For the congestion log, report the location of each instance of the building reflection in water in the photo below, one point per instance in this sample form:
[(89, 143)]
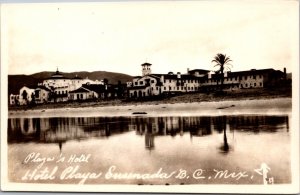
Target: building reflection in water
[(61, 130)]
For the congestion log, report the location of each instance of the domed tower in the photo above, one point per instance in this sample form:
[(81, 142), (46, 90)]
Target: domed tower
[(146, 69)]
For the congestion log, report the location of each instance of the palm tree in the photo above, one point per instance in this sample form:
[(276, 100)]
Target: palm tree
[(224, 148), (222, 61)]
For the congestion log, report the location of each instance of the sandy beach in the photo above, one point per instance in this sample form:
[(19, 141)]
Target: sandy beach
[(276, 106)]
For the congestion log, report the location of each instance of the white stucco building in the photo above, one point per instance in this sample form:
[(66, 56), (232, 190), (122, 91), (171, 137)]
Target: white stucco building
[(25, 95), (150, 84), (61, 85), (156, 84)]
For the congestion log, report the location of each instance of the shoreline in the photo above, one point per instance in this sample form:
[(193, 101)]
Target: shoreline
[(273, 106)]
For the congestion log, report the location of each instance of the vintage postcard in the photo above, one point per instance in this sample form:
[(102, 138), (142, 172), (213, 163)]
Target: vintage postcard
[(150, 96)]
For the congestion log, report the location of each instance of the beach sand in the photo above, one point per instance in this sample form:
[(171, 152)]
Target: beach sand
[(276, 106)]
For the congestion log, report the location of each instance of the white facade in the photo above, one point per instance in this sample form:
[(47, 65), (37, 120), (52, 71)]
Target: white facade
[(145, 86), (41, 95), (24, 100), (184, 83), (199, 80), (237, 81), (252, 81), (146, 69), (14, 99), (154, 84)]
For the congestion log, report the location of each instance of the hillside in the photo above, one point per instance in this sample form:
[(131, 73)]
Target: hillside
[(15, 82)]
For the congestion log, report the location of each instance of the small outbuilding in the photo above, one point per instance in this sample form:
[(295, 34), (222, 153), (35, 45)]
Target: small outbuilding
[(82, 94)]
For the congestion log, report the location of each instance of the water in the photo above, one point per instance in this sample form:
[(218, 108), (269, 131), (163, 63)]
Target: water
[(150, 150)]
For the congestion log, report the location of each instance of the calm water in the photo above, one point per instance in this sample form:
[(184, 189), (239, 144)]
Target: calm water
[(150, 150)]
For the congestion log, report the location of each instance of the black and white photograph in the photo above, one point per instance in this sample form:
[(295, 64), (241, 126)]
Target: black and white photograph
[(150, 96)]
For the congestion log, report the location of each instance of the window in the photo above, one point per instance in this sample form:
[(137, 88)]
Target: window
[(135, 83), (246, 85), (254, 76), (254, 84), (141, 82), (165, 88), (81, 96), (177, 88), (188, 88), (164, 80), (37, 94), (260, 84), (170, 88), (152, 81), (192, 88), (169, 80)]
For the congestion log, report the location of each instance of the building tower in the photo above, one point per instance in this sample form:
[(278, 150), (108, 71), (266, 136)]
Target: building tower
[(146, 69)]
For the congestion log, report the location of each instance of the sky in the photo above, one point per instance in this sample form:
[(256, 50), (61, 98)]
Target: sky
[(171, 35)]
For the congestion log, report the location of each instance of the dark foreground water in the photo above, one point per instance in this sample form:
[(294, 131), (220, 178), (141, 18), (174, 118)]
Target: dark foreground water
[(150, 150)]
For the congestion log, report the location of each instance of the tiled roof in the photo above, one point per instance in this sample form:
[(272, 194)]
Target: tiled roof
[(251, 72), (246, 73), (182, 76), (174, 76), (146, 64), (138, 87), (151, 75), (202, 71), (94, 87), (80, 90)]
